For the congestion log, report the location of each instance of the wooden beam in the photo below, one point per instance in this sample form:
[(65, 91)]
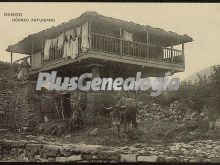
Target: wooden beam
[(148, 45), (183, 54), (11, 65), (183, 49), (147, 37), (21, 59), (111, 58), (135, 61), (11, 57), (120, 41), (172, 54), (90, 34), (32, 48), (95, 72)]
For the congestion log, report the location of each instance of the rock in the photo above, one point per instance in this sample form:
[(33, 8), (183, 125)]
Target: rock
[(192, 160), (61, 159), (74, 158), (171, 159), (147, 158), (20, 150), (143, 152), (50, 151), (34, 148), (178, 152), (64, 151), (37, 157), (128, 158), (109, 155), (68, 136), (87, 156), (207, 160), (43, 160), (215, 160), (51, 159), (138, 145), (217, 148)]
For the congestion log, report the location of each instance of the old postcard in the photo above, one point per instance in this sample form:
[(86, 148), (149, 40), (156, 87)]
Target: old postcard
[(109, 82)]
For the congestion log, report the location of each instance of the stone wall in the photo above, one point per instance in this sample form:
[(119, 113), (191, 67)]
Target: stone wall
[(27, 105), (19, 103), (31, 151), (7, 86)]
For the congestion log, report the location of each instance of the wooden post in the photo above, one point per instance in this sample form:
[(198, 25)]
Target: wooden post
[(62, 107), (93, 98), (183, 55), (120, 42), (95, 72), (32, 48), (11, 57), (90, 35), (172, 54), (11, 65), (32, 52), (42, 51), (148, 45)]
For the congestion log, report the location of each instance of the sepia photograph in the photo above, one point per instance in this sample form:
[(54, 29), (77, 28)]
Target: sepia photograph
[(109, 82)]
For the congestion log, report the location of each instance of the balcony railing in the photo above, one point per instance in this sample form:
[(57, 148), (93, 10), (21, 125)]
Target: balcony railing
[(55, 53), (122, 47), (136, 49)]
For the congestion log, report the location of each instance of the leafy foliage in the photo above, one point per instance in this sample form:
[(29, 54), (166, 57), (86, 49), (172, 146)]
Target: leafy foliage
[(204, 92)]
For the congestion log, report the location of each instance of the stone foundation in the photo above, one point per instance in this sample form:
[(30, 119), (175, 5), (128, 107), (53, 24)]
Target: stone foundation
[(24, 151)]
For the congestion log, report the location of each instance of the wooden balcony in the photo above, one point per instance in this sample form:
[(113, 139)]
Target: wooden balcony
[(116, 50), (144, 51)]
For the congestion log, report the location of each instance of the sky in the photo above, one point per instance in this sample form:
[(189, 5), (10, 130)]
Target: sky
[(201, 21)]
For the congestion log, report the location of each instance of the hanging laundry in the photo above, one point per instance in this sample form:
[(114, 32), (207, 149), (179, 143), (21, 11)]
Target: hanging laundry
[(66, 48), (70, 33), (54, 42), (71, 48), (78, 31), (127, 36), (74, 48), (47, 49), (60, 40), (85, 37)]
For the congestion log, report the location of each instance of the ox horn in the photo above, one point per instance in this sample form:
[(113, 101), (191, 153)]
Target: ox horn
[(107, 108), (122, 106)]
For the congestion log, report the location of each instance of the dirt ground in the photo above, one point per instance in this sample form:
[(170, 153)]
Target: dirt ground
[(154, 138), (101, 132)]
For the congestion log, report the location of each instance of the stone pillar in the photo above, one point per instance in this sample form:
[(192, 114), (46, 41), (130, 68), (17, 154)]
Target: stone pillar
[(93, 98)]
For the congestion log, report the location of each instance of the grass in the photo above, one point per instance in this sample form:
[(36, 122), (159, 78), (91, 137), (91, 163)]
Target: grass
[(149, 132)]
